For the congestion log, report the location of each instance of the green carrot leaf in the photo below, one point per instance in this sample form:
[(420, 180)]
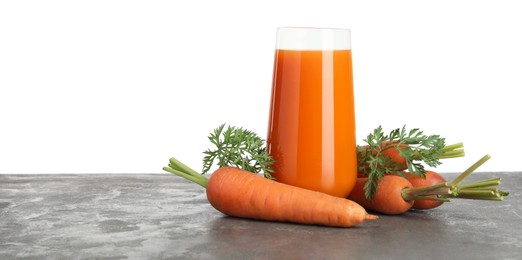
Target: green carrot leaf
[(239, 147), (417, 149)]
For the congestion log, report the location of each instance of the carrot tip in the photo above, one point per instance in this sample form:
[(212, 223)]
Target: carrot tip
[(370, 217)]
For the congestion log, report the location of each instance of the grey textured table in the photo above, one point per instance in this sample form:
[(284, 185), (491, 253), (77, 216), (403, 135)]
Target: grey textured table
[(160, 216)]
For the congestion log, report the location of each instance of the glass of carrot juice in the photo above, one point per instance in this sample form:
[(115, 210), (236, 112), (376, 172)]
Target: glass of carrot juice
[(311, 132)]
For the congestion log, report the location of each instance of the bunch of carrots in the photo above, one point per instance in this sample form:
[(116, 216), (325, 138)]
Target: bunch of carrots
[(392, 180)]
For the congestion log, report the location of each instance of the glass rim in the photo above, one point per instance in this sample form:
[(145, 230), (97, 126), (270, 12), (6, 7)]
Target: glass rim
[(311, 28), (313, 38)]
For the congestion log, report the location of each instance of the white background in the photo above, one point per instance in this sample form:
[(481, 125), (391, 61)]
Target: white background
[(121, 86)]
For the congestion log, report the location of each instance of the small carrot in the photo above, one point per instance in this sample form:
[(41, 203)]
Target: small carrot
[(390, 150), (393, 150), (239, 193), (395, 194), (431, 178), (387, 198)]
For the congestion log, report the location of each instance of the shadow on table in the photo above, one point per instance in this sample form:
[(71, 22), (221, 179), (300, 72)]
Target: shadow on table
[(238, 238)]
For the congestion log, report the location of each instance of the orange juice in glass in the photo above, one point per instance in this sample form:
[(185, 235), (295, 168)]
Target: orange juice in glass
[(311, 132)]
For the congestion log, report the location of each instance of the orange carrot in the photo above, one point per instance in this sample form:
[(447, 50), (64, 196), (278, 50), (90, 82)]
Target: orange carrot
[(431, 178), (395, 194), (387, 198), (391, 150), (239, 193)]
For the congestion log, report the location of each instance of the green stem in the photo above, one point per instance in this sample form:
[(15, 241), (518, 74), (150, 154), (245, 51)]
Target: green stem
[(183, 167), (452, 147), (452, 154), (479, 192), (175, 167), (480, 197), (428, 188), (437, 189), (180, 169), (201, 181), (493, 189), (482, 184), (449, 151), (442, 157), (467, 172), (443, 199)]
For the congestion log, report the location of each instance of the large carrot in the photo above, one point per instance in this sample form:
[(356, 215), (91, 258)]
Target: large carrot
[(240, 193)]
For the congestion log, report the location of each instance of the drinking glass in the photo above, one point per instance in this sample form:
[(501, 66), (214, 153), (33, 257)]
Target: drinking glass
[(311, 132)]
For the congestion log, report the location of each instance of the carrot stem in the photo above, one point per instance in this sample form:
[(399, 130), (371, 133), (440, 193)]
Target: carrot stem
[(479, 197), (443, 199), (202, 181), (428, 188), (175, 167), (467, 172), (452, 147), (437, 189), (494, 189), (182, 170), (449, 151), (482, 184), (484, 193), (452, 154), (446, 191), (183, 167), (480, 190)]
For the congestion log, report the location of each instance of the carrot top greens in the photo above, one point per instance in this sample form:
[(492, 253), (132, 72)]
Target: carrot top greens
[(240, 148), (414, 146), (236, 147)]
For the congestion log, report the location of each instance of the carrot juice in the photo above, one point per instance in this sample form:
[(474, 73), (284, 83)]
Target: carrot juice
[(311, 133)]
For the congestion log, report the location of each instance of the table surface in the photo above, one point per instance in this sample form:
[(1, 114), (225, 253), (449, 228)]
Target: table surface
[(161, 216)]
